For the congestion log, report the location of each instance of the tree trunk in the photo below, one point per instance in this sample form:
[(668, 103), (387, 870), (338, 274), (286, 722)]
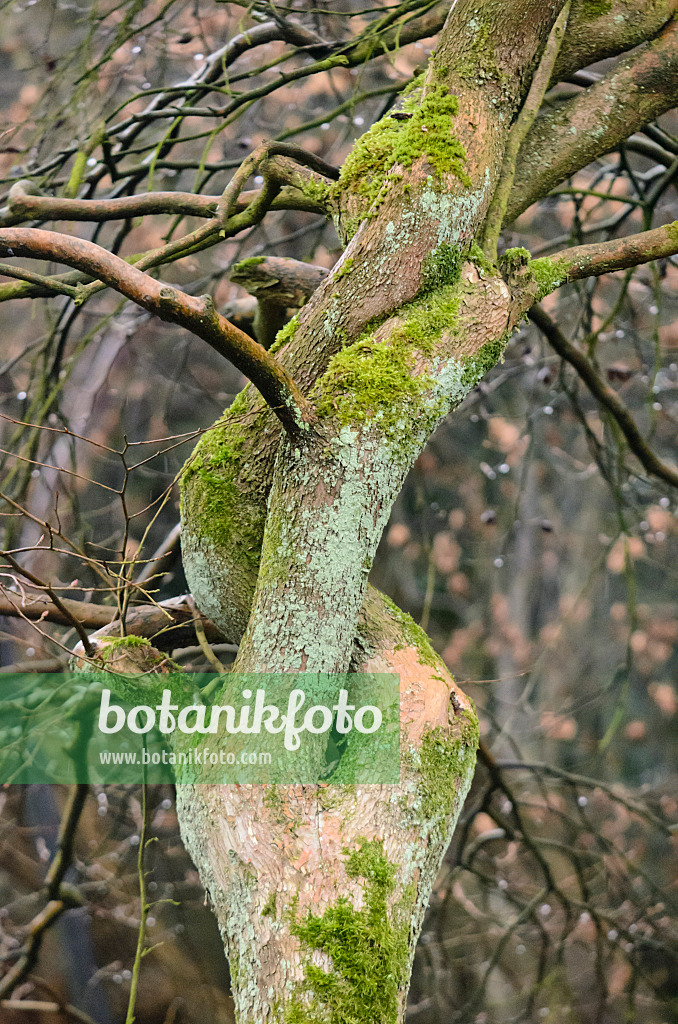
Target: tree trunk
[(320, 890)]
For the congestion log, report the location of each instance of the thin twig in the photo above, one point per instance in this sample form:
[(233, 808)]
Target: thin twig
[(59, 901), (144, 906), (197, 314), (605, 395)]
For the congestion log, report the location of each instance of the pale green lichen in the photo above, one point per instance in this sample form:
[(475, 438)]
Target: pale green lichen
[(391, 145), (368, 948)]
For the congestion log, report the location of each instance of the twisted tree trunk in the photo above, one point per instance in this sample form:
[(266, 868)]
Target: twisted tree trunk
[(320, 891)]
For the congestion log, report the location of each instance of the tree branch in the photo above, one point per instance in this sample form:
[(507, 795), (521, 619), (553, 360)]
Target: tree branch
[(56, 600), (640, 88), (273, 173), (524, 121), (592, 36), (37, 609), (60, 899), (278, 283), (196, 314), (550, 272), (26, 202), (169, 624), (605, 395), (29, 204)]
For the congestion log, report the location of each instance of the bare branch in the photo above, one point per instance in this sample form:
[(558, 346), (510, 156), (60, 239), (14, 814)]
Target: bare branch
[(613, 29), (604, 257), (26, 202), (524, 122), (196, 314), (640, 88), (56, 600), (605, 395), (92, 616), (273, 173), (24, 205), (278, 284), (59, 899), (163, 558)]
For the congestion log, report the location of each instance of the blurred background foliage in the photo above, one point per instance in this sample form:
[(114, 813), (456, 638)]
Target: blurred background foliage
[(540, 558)]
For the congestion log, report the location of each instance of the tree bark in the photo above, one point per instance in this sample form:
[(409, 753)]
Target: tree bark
[(320, 891)]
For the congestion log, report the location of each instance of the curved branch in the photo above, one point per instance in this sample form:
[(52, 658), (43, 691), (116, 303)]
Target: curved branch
[(605, 395), (196, 314), (23, 205), (25, 202), (71, 620), (38, 609), (592, 37), (640, 88), (274, 174), (287, 281)]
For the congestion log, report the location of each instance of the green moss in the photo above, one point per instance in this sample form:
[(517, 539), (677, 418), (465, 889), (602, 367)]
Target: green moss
[(251, 261), (479, 63), (368, 949), (481, 262), (441, 267), (145, 685), (211, 498), (549, 274), (345, 268), (589, 10), (391, 143), (114, 642), (412, 635), (313, 188), (514, 258), (285, 334), (475, 367), (371, 378), (269, 907), (442, 760)]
